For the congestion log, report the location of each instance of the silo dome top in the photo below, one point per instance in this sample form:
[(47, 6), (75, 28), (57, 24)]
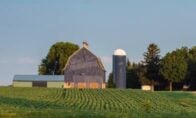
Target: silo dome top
[(120, 52)]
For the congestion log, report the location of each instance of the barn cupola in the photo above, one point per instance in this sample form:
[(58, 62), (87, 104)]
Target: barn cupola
[(85, 44)]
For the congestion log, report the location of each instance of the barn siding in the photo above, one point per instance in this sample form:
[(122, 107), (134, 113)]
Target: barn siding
[(84, 67)]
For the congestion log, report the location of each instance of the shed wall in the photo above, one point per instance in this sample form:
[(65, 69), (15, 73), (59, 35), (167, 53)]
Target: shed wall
[(146, 87), (55, 84), (22, 84)]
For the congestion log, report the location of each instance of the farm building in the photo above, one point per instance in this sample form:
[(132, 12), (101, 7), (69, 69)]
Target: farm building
[(119, 68), (50, 81), (84, 70)]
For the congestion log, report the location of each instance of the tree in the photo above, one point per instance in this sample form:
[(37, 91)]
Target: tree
[(141, 73), (110, 83), (132, 79), (152, 63), (174, 67), (56, 58), (192, 68)]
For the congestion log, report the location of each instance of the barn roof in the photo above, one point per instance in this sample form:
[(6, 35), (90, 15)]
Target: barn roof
[(84, 48), (53, 78)]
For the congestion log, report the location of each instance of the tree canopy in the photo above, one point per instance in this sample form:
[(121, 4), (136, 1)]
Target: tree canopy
[(56, 58), (132, 80), (192, 68), (174, 66)]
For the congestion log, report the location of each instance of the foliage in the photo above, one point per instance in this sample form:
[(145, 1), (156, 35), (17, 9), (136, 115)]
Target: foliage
[(152, 63), (110, 83), (141, 72), (174, 66), (132, 79), (45, 102), (192, 68), (56, 58)]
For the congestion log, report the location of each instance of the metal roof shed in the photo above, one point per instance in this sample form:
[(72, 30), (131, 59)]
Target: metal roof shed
[(50, 81)]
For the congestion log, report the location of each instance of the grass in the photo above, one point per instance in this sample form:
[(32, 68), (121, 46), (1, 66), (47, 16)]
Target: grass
[(50, 103)]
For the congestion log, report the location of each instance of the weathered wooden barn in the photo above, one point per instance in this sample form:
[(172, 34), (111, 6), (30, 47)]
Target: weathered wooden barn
[(84, 70), (49, 81)]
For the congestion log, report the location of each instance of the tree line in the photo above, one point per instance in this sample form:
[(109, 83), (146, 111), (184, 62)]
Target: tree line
[(172, 71), (176, 70)]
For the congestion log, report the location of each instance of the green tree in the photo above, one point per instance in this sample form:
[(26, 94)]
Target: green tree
[(132, 79), (174, 67), (110, 83), (141, 73), (152, 63), (192, 68), (56, 58)]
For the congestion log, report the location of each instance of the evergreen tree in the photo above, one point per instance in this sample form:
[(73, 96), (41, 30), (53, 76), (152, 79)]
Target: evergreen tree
[(141, 73), (152, 63), (132, 79), (110, 83)]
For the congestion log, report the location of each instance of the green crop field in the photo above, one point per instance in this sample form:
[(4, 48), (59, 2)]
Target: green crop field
[(45, 102)]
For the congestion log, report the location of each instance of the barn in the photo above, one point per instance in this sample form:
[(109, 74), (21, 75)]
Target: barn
[(84, 70), (49, 81)]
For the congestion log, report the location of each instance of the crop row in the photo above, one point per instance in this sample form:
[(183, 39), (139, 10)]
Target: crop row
[(98, 100)]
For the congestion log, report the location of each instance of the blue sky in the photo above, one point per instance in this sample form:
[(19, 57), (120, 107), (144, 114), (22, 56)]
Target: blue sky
[(29, 27)]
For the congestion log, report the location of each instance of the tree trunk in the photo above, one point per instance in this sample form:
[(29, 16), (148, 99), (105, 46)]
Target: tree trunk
[(170, 86), (152, 85)]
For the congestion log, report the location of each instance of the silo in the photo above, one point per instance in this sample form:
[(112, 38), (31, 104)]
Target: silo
[(119, 68)]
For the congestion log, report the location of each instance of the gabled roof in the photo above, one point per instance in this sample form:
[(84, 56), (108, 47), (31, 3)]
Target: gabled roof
[(53, 78), (76, 52)]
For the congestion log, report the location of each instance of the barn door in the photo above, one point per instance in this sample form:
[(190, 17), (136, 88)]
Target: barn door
[(39, 84)]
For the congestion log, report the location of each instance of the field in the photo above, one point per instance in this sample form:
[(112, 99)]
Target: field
[(50, 103)]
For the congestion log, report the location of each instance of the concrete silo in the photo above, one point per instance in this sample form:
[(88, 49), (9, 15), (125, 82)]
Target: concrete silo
[(119, 68)]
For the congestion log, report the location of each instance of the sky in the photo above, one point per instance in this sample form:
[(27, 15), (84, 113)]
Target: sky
[(29, 27)]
